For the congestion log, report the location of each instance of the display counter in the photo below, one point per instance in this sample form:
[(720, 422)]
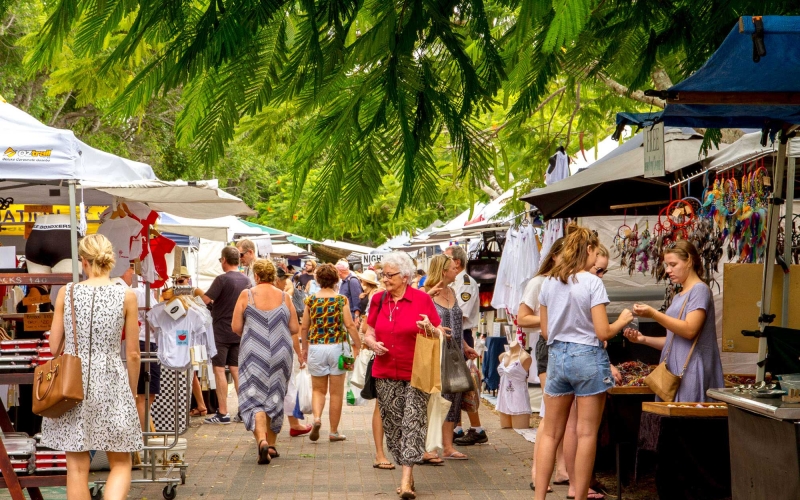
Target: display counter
[(764, 446)]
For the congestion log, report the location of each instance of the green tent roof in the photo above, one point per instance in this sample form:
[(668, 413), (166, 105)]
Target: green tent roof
[(297, 240)]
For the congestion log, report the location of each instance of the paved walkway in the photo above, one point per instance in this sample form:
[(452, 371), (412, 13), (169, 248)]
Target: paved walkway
[(223, 466)]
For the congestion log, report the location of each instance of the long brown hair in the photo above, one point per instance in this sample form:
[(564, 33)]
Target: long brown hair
[(575, 252), (686, 250), (549, 261)]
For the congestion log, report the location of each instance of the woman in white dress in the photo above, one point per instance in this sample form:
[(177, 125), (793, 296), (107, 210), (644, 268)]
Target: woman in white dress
[(106, 419)]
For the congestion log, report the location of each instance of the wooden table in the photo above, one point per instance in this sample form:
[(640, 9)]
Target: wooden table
[(10, 479)]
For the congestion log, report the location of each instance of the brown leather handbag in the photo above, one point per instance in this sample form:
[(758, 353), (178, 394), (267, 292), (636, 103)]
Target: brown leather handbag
[(662, 381), (58, 384)]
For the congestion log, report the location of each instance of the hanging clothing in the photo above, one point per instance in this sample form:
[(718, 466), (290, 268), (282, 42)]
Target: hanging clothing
[(553, 230), (559, 171), (518, 264), (159, 248), (175, 336), (265, 363), (120, 232), (512, 395)]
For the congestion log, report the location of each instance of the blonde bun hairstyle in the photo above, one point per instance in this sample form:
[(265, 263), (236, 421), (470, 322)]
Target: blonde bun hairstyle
[(264, 270), (99, 252)]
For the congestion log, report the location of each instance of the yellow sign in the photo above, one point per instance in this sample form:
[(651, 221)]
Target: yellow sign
[(39, 322), (14, 219)]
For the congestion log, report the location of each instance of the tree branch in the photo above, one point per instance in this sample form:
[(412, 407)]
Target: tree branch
[(661, 79), (542, 104), (637, 95), (60, 108), (574, 112)]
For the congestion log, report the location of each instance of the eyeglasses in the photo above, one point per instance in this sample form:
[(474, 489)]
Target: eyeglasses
[(390, 275), (599, 271), (183, 280)]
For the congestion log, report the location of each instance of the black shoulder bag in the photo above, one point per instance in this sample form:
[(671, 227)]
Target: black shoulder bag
[(369, 391)]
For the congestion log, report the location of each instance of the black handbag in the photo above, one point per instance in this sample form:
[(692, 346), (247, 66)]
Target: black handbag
[(456, 376), (369, 391)]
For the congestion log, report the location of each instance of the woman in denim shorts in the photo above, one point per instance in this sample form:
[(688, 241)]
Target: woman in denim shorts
[(575, 323)]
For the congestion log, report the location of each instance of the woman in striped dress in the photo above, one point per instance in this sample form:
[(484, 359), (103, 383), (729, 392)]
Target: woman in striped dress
[(266, 319)]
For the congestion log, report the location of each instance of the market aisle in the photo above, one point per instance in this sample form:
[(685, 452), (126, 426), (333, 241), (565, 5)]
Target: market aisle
[(223, 466)]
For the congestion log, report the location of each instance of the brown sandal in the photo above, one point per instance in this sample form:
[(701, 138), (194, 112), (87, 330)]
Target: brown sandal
[(197, 412), (263, 453)]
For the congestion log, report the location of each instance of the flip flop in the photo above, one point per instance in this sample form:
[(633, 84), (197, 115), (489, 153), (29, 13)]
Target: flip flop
[(315, 430), (549, 489), (430, 461), (383, 466), (564, 482), (263, 454), (595, 497), (456, 455)]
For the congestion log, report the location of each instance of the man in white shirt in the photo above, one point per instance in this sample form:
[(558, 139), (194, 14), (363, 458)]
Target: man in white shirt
[(466, 289)]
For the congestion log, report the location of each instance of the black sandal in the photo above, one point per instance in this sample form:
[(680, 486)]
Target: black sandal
[(275, 450), (263, 453)]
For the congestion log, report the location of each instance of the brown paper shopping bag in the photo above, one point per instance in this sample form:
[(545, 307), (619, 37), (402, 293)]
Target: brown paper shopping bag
[(426, 370)]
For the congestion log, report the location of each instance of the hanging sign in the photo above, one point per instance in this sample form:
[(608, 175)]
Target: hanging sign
[(654, 160), (39, 322), (17, 220), (368, 260)]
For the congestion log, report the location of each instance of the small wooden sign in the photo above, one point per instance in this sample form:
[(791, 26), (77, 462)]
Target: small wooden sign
[(38, 322), (38, 209)]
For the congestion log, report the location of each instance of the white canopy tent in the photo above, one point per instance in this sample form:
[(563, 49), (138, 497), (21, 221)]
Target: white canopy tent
[(222, 229), (44, 165)]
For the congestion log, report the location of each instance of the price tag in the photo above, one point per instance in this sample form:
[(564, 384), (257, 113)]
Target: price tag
[(767, 181), (678, 212), (39, 322)]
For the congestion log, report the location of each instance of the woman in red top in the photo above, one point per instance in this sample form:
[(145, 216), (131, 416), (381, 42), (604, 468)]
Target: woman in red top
[(396, 316)]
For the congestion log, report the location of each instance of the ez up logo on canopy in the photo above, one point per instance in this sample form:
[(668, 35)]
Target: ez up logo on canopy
[(11, 154)]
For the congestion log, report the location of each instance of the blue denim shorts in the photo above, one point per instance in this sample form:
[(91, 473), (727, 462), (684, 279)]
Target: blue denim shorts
[(582, 370)]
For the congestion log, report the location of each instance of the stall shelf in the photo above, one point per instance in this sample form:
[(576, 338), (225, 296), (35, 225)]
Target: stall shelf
[(10, 480)]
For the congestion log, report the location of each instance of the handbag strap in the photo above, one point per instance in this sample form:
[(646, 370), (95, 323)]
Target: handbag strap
[(689, 356), (74, 324)]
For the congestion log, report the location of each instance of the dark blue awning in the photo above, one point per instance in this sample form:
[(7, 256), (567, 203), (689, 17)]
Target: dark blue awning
[(751, 81), (638, 119)]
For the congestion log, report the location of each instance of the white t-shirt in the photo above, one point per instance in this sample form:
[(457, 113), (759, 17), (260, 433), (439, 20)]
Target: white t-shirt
[(175, 335), (530, 297), (467, 294), (119, 232), (569, 308)]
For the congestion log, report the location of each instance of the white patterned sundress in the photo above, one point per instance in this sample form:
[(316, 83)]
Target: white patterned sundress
[(106, 419)]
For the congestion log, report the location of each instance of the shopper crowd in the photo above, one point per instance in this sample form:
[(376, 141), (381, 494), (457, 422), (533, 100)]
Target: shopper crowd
[(272, 324)]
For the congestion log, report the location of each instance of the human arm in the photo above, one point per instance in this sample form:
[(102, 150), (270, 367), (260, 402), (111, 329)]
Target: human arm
[(636, 337), (602, 328), (543, 321), (57, 327), (350, 326), (294, 323), (527, 318), (355, 296), (616, 374), (688, 328), (304, 334), (132, 353), (372, 344), (237, 321), (469, 352)]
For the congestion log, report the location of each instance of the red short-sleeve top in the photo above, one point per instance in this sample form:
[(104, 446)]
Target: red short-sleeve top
[(396, 326)]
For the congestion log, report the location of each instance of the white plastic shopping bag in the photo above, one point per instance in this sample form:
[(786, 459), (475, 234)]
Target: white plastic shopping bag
[(437, 413), (303, 383), (360, 369)]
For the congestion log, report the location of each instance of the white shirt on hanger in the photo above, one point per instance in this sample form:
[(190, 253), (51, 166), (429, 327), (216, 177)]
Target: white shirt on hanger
[(119, 232), (175, 335)]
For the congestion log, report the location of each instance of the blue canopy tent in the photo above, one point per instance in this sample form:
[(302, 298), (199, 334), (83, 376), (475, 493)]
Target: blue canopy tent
[(751, 81)]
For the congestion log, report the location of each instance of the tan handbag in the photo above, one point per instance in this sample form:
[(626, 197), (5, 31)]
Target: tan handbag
[(58, 384), (662, 381)]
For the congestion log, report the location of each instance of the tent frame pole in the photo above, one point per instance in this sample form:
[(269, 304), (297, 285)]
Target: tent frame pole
[(787, 245), (769, 255), (73, 231)]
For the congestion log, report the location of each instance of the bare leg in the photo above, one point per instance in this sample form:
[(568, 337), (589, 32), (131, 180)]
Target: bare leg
[(561, 466), (319, 389), (140, 407), (542, 382), (447, 440), (222, 389), (548, 438), (337, 398), (119, 479), (377, 435), (260, 432), (197, 391), (407, 482), (590, 412), (78, 475), (474, 419), (570, 445), (235, 375)]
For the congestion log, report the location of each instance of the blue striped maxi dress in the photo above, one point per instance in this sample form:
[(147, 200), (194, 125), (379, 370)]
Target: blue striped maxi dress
[(265, 364)]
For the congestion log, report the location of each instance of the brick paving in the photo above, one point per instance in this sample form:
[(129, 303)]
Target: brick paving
[(223, 465)]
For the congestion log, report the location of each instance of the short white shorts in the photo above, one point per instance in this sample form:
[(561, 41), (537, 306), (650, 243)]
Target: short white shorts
[(323, 359)]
